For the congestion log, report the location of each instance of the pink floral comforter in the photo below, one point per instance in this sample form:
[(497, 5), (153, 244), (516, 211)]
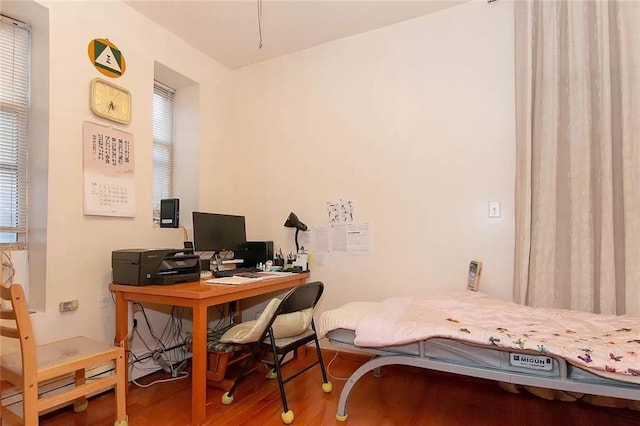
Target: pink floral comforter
[(607, 345)]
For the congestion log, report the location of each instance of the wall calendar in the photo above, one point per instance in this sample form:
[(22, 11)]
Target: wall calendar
[(108, 171)]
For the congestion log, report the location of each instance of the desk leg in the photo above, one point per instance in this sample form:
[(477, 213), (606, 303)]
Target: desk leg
[(122, 326), (199, 365)]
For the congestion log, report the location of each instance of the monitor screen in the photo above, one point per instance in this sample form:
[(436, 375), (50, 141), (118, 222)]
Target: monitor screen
[(218, 232)]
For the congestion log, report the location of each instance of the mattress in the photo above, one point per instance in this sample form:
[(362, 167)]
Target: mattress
[(471, 328)]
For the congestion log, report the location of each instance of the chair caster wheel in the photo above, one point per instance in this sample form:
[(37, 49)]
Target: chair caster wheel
[(79, 407), (327, 387), (287, 418), (226, 398), (121, 423), (341, 418), (271, 374)]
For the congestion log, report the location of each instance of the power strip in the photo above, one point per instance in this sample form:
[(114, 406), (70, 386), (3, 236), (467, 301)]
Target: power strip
[(157, 357), (178, 368)]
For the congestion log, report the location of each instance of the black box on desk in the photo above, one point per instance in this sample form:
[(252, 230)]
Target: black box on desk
[(254, 252), (154, 266)]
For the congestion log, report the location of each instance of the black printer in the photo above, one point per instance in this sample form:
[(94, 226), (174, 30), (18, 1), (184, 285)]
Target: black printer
[(154, 266)]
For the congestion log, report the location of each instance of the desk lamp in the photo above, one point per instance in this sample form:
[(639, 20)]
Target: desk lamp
[(293, 222)]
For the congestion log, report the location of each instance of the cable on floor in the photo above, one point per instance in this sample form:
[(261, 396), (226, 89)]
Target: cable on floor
[(181, 375)]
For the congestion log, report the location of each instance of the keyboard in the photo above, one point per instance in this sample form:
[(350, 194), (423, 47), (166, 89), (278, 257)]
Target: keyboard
[(233, 272)]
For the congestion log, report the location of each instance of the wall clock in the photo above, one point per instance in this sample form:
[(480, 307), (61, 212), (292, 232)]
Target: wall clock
[(110, 101)]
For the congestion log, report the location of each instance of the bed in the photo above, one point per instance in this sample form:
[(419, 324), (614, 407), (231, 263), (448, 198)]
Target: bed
[(472, 334)]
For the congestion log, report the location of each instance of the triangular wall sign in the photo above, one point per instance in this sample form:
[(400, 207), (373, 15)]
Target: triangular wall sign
[(106, 57)]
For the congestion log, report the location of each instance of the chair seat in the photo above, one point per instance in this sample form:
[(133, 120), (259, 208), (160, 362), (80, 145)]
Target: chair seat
[(213, 341), (284, 342), (52, 355)]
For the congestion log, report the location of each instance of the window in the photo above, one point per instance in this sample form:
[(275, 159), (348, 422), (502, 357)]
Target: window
[(14, 124), (163, 117)]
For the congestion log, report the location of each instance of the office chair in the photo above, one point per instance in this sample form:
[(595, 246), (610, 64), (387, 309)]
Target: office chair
[(302, 297), (27, 368)]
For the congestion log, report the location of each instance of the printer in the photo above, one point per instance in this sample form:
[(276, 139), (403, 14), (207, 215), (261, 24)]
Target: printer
[(154, 266)]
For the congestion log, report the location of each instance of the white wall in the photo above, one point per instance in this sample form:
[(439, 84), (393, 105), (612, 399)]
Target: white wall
[(415, 124), (79, 247)]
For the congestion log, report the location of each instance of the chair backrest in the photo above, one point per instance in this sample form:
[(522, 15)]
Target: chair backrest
[(297, 299), (19, 327), (301, 297)]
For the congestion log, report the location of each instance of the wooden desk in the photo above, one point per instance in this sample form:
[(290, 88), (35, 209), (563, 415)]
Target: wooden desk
[(198, 296)]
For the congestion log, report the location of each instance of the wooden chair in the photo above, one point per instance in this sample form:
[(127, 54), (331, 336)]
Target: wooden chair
[(28, 368)]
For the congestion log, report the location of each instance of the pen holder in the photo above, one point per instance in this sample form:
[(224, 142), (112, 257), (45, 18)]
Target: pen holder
[(278, 262)]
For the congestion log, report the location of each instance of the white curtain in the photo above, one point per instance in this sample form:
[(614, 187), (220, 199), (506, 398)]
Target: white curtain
[(578, 155)]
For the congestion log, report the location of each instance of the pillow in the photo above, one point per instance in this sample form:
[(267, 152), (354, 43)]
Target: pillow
[(286, 325)]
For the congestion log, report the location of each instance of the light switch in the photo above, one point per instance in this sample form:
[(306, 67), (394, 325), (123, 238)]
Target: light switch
[(494, 208)]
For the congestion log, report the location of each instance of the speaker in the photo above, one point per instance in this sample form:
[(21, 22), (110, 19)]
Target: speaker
[(170, 213), (254, 252)]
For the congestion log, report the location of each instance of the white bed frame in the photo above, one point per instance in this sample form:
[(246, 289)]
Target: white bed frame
[(487, 362)]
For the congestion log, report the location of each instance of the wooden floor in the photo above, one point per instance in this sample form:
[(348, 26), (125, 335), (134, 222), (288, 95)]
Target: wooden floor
[(403, 396)]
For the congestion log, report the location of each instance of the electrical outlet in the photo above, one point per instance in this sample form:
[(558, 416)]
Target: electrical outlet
[(68, 306), (105, 300)]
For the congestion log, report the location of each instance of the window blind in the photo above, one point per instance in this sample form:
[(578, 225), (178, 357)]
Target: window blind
[(14, 125), (163, 116)]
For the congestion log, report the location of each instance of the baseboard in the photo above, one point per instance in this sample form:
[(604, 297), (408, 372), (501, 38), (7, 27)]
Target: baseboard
[(349, 356), (330, 353)]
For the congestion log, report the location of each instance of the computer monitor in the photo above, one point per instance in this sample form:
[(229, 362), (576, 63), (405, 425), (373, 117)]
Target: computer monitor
[(218, 232)]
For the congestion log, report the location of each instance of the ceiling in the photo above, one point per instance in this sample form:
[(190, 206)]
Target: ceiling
[(228, 31)]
